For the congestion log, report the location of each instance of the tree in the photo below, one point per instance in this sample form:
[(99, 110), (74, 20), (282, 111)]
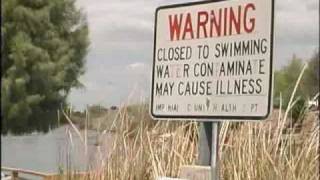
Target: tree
[(285, 80), (43, 54), (311, 79)]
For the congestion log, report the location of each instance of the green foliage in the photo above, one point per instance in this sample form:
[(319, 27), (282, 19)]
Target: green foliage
[(43, 50), (311, 78), (298, 110), (285, 80)]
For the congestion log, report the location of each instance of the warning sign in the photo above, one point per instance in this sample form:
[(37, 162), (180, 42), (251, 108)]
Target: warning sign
[(213, 60)]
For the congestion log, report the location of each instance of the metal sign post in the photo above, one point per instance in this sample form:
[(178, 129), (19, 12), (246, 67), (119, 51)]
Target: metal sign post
[(209, 147), (204, 147), (215, 151)]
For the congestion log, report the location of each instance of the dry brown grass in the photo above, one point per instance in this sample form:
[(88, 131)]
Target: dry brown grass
[(148, 149), (145, 149), (254, 150), (261, 151)]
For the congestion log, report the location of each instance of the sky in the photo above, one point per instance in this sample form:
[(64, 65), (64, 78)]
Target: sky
[(119, 60)]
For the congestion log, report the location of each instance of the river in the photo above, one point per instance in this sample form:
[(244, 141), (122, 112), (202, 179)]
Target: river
[(53, 151)]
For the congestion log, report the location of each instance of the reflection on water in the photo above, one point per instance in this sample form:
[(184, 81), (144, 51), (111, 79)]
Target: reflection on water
[(52, 151)]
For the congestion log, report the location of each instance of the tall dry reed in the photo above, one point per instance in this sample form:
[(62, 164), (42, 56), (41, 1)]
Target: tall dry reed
[(142, 148)]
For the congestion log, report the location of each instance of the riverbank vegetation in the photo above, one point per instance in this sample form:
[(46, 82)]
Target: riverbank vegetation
[(272, 149), (142, 148)]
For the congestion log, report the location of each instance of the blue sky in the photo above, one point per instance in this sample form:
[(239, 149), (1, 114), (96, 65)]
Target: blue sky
[(118, 67)]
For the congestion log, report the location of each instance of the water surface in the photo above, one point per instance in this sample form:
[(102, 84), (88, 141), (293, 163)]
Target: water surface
[(50, 152)]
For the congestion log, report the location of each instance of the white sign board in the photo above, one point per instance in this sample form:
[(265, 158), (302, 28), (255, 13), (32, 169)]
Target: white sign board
[(213, 60)]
